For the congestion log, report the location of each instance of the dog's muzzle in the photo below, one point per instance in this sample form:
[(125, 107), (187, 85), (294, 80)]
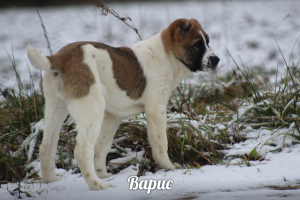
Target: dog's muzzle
[(213, 62)]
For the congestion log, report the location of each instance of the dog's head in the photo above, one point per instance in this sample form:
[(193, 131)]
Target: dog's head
[(190, 45)]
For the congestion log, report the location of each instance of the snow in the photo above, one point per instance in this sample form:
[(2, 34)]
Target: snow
[(208, 182), (35, 129), (31, 139), (245, 107), (232, 180), (129, 157), (245, 28)]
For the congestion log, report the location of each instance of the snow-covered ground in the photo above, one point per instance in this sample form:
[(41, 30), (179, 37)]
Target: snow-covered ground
[(273, 177), (208, 182), (245, 28)]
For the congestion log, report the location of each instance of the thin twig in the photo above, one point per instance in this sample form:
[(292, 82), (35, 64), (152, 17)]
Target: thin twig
[(106, 10), (203, 156), (45, 32)]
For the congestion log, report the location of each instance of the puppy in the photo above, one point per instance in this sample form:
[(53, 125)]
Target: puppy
[(100, 85)]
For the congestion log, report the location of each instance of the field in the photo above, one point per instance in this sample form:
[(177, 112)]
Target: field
[(234, 131)]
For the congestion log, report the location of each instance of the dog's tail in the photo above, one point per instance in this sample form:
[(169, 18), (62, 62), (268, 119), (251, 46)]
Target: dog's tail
[(38, 60)]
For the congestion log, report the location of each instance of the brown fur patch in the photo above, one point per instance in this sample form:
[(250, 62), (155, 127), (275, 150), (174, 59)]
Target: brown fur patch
[(180, 37), (180, 33), (127, 72), (77, 76)]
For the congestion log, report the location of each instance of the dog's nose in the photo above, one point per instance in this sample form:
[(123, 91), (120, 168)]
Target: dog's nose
[(214, 60)]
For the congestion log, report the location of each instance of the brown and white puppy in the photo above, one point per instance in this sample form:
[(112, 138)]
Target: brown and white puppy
[(101, 85)]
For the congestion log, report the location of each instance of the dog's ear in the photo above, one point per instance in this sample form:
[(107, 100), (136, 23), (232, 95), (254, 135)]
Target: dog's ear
[(182, 28)]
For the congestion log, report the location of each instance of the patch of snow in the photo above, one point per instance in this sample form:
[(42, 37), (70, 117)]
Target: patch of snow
[(204, 183), (221, 127), (31, 139), (131, 155)]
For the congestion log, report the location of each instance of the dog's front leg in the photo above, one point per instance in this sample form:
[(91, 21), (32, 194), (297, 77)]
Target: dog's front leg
[(156, 130)]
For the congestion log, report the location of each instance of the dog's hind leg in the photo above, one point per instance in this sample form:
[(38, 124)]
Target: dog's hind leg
[(108, 130), (55, 114), (88, 113)]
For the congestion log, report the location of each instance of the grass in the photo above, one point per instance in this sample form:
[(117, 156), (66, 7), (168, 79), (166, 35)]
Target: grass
[(19, 109)]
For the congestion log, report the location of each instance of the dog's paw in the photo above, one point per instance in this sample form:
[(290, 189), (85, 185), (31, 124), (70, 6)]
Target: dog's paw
[(104, 175), (166, 166), (178, 166), (51, 179), (110, 185), (98, 185)]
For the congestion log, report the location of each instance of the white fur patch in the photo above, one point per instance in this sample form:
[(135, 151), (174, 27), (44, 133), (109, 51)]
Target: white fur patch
[(208, 53)]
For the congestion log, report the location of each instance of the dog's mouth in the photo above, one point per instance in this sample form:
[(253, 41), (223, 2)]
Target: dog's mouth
[(207, 62)]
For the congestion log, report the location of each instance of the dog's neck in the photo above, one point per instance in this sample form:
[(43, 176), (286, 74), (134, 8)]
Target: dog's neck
[(157, 42)]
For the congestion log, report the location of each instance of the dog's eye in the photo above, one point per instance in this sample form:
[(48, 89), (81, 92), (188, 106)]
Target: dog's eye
[(198, 44)]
